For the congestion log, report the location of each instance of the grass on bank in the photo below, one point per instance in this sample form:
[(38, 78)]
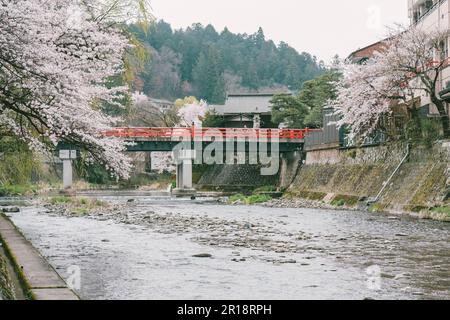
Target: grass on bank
[(442, 209), (14, 190), (249, 200), (78, 205)]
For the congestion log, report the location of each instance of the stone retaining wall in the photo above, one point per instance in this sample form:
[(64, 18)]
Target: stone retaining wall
[(423, 182), (6, 286), (236, 177)]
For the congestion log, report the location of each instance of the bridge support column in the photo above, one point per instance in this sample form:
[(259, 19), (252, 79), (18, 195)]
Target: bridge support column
[(290, 163), (184, 186), (67, 174), (67, 156), (148, 162)]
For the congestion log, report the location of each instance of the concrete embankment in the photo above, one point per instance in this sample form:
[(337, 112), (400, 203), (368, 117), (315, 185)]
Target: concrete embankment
[(6, 283), (38, 279), (345, 178)]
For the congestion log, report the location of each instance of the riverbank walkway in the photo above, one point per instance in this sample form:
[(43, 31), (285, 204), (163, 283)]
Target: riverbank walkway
[(38, 278)]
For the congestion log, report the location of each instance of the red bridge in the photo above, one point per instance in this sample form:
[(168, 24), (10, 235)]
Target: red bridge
[(208, 134), (169, 139)]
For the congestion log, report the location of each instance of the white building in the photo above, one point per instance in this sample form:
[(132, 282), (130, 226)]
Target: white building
[(433, 15)]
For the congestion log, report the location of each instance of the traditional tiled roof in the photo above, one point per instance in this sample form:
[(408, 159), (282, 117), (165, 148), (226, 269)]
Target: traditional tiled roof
[(246, 103)]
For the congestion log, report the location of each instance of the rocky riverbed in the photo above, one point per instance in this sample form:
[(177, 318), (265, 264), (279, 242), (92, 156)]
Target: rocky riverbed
[(162, 248), (252, 234), (424, 213), (301, 203)]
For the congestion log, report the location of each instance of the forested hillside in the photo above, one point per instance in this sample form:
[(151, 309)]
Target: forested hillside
[(202, 62)]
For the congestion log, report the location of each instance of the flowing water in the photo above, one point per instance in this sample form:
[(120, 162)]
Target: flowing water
[(256, 252)]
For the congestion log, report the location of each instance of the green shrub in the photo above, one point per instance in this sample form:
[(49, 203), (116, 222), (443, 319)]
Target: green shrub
[(344, 200), (338, 203), (213, 120), (253, 199), (17, 190), (60, 200), (351, 154), (237, 197), (78, 206), (442, 209), (94, 173), (377, 208), (18, 165), (430, 131)]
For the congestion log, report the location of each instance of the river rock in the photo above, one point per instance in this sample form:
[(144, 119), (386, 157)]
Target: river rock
[(291, 261), (11, 210), (202, 255)]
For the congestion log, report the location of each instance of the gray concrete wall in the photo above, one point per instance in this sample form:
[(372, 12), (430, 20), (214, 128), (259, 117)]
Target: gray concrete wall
[(290, 164)]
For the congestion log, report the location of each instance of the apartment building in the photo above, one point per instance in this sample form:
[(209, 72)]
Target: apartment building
[(433, 15)]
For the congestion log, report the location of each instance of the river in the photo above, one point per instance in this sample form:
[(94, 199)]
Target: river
[(248, 252)]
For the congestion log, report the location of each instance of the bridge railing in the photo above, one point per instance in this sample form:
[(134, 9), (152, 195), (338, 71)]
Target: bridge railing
[(225, 133)]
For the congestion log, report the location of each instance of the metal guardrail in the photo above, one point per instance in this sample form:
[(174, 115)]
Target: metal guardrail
[(387, 182), (372, 140)]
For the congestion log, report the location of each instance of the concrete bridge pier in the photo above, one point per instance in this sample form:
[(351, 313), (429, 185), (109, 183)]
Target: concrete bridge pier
[(148, 162), (67, 156), (290, 163), (67, 174), (184, 187)]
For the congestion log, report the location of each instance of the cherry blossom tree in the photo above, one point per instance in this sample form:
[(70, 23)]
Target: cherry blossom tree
[(55, 72), (192, 113), (408, 66), (149, 114)]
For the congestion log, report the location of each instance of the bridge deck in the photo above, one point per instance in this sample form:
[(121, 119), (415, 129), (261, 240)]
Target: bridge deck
[(166, 139), (210, 134)]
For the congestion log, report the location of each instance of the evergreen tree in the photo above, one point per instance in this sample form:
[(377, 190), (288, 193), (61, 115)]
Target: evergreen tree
[(252, 59), (208, 76), (305, 109)]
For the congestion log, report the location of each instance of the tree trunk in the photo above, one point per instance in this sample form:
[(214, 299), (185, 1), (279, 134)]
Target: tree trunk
[(415, 131), (443, 114)]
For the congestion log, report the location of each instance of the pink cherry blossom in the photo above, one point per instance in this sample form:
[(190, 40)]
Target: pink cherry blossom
[(54, 76)]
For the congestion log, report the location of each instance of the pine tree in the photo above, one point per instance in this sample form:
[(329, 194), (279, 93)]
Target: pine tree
[(208, 76)]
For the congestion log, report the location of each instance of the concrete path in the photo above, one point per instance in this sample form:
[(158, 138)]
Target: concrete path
[(41, 280)]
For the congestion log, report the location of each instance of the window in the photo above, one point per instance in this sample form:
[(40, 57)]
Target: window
[(443, 50)]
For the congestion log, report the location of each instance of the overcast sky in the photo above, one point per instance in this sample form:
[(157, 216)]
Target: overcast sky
[(321, 27)]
